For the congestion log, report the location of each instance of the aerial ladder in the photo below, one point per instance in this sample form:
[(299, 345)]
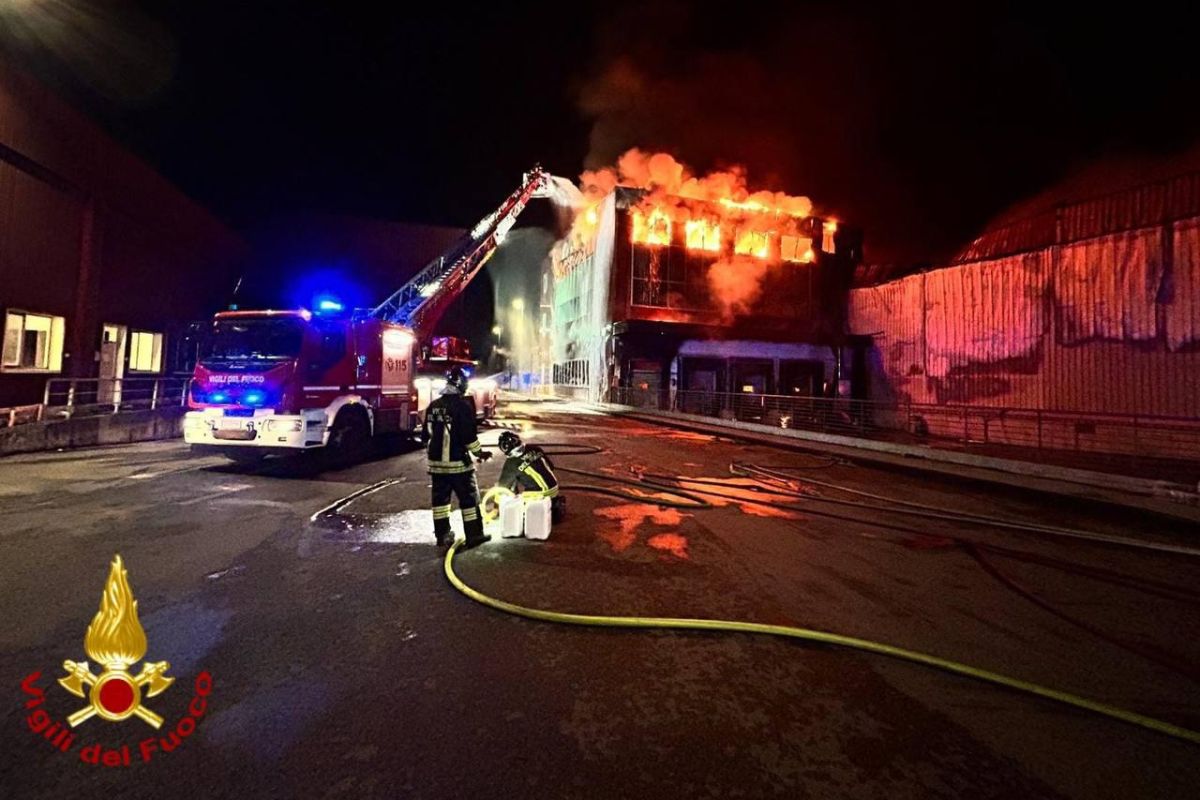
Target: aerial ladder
[(420, 302)]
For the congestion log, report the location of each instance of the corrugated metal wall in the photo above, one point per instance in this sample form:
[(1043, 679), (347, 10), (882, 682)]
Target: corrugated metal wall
[(1105, 324)]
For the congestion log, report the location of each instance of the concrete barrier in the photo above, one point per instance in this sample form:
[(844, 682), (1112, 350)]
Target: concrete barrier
[(131, 426)]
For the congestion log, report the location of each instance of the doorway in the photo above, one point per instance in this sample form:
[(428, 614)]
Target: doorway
[(112, 363)]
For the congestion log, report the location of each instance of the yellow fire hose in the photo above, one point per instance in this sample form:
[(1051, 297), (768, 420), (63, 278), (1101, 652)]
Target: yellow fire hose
[(866, 645)]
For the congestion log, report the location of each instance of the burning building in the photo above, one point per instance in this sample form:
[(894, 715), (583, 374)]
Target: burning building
[(669, 284)]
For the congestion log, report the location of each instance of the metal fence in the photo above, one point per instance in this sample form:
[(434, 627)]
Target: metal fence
[(80, 397), (1094, 440)]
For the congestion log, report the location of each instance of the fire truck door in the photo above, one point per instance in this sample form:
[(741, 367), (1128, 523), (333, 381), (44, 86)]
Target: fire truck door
[(397, 377)]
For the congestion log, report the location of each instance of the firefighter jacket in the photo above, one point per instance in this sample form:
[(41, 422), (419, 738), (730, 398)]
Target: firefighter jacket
[(531, 472), (453, 439)]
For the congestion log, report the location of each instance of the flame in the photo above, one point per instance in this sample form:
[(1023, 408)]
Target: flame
[(653, 228), (702, 234), (702, 205), (828, 229), (116, 638), (750, 242), (742, 232)]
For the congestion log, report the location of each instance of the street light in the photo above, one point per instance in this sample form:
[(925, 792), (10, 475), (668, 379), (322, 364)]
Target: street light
[(518, 304), (497, 330)]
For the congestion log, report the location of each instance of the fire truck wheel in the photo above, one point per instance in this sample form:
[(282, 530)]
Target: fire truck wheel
[(350, 436)]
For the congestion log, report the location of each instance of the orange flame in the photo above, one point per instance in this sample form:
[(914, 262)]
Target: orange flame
[(750, 242), (702, 234), (653, 228), (702, 205)]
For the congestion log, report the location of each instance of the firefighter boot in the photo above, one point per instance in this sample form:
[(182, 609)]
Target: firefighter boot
[(473, 526), (441, 526)]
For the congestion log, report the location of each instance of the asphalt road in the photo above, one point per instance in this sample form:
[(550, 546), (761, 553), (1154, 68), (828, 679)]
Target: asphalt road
[(344, 665)]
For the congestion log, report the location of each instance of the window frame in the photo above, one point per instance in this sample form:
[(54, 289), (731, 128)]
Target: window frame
[(55, 343), (157, 340)]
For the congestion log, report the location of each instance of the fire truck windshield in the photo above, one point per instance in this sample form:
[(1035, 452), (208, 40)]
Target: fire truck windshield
[(253, 339)]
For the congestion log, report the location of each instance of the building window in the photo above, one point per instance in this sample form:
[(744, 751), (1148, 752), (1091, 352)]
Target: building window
[(145, 351), (33, 342), (796, 248)]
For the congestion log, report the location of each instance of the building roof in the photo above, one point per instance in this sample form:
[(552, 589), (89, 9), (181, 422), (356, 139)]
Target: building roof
[(1108, 196)]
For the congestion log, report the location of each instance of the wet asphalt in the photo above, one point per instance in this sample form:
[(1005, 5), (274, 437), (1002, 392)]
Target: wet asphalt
[(343, 664)]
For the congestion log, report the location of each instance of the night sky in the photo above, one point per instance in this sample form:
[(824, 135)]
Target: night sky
[(917, 122)]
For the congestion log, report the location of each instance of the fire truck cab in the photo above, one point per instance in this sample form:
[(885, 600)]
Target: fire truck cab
[(283, 381)]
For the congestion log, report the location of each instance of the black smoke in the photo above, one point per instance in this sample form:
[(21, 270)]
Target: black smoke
[(917, 122)]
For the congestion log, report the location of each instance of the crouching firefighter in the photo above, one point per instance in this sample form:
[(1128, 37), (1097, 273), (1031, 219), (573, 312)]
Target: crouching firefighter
[(529, 472), (453, 440)]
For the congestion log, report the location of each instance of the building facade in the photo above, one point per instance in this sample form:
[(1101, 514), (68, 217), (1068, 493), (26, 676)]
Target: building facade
[(678, 316), (103, 263), (1086, 310)]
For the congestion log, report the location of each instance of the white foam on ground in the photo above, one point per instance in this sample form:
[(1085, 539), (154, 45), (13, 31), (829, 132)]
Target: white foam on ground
[(413, 526)]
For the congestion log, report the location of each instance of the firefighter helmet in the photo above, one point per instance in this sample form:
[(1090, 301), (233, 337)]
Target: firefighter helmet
[(509, 442), (457, 380)]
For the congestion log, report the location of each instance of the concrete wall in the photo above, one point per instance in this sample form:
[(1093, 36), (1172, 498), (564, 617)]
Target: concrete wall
[(133, 426)]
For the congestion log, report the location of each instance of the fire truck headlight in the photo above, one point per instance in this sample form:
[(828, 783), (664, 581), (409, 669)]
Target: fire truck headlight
[(285, 425)]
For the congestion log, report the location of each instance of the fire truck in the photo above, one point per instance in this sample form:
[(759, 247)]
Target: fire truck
[(282, 382)]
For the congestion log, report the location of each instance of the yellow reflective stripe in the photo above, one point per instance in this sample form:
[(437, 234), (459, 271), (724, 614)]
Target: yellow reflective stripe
[(441, 511), (537, 477), (446, 442), (470, 513), (475, 446), (535, 494), (453, 469)]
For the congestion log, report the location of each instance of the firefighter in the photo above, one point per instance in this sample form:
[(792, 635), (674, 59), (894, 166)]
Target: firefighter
[(453, 440), (529, 471)]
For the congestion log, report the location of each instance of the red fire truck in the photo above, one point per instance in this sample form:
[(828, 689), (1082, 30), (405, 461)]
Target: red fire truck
[(280, 382)]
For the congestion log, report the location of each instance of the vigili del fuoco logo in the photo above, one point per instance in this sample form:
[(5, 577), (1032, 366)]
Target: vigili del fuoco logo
[(115, 641)]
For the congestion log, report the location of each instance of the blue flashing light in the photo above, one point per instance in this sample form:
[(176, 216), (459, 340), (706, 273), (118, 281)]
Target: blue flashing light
[(329, 305), (218, 397), (254, 397)]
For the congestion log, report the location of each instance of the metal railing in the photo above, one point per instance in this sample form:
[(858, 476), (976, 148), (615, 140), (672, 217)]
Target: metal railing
[(79, 397), (1093, 440), (16, 415)]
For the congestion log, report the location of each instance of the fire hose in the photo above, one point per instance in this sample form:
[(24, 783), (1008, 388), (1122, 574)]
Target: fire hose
[(798, 633), (822, 637)]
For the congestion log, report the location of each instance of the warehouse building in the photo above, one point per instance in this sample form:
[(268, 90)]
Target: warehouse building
[(102, 261), (1071, 323)]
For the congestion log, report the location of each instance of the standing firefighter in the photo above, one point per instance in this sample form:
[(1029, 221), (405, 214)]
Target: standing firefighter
[(453, 440), (527, 469)]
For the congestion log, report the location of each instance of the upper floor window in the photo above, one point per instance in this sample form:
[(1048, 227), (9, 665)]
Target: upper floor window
[(32, 342)]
